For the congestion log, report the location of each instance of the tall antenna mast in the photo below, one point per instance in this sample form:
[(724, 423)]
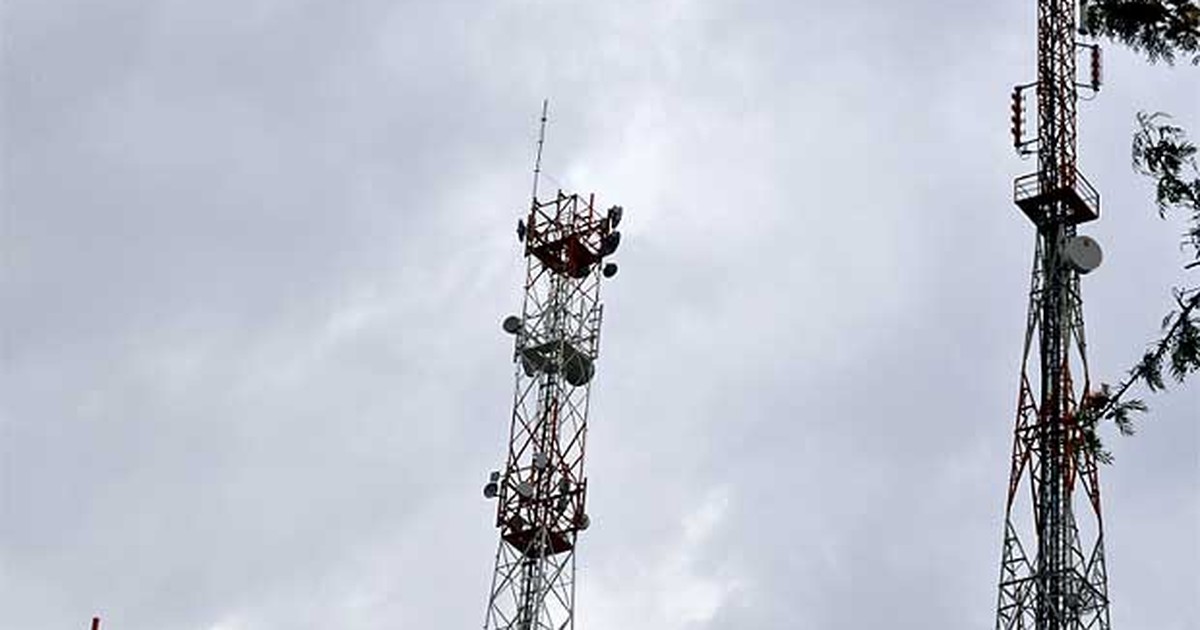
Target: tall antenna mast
[(540, 494), (1052, 571), (537, 165)]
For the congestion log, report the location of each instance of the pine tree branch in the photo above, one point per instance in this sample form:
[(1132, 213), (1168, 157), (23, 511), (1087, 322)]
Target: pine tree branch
[(1108, 404), (1159, 29)]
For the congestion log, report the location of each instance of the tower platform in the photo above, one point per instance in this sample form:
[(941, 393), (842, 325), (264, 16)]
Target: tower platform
[(556, 542), (1079, 198)]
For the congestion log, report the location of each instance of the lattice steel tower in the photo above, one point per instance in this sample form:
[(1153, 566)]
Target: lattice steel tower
[(1052, 575), (541, 491)]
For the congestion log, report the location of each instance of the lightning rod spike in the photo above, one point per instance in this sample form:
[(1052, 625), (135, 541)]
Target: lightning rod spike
[(537, 165)]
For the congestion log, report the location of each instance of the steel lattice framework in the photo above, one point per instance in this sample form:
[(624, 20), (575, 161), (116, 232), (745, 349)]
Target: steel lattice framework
[(1052, 574), (542, 489)]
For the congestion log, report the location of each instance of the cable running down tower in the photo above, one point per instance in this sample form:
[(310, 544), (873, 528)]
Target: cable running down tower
[(1052, 572), (541, 491)]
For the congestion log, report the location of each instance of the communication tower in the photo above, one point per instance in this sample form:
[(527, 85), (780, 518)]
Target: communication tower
[(541, 491), (1052, 573)]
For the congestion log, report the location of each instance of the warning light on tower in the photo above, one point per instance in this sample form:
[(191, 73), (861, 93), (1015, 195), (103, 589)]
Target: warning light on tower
[(1018, 118)]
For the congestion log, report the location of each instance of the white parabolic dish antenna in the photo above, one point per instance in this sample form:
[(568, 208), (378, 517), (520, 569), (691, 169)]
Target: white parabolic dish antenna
[(1083, 253)]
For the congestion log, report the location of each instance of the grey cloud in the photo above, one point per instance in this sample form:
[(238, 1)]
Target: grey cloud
[(256, 255)]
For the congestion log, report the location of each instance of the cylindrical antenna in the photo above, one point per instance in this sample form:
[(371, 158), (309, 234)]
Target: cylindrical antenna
[(537, 165), (95, 623)]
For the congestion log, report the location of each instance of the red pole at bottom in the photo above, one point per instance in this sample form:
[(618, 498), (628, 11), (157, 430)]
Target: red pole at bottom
[(95, 623)]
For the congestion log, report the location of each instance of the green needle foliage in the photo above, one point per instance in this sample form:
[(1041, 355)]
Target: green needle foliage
[(1159, 29), (1162, 30), (1162, 152)]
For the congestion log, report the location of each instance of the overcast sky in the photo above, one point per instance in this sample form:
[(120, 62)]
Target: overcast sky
[(256, 253)]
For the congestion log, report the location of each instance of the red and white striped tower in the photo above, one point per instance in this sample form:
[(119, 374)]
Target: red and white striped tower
[(1052, 572), (542, 488)]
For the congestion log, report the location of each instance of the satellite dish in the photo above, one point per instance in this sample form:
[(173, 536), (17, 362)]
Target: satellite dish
[(610, 269), (492, 489), (540, 461), (525, 489), (1082, 253), (555, 357), (512, 324), (577, 368), (521, 230), (583, 522)]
